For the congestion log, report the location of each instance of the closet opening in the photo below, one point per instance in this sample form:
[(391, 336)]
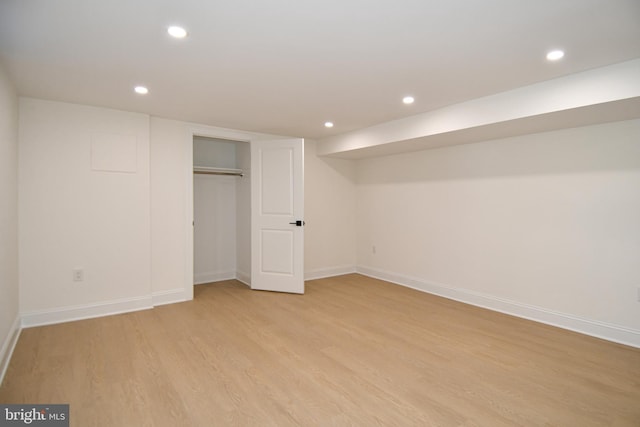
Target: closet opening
[(221, 210)]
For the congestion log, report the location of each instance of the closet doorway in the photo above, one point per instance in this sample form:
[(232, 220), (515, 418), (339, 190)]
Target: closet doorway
[(221, 210), (244, 210)]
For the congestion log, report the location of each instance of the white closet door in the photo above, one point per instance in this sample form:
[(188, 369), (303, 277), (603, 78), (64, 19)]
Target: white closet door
[(277, 208)]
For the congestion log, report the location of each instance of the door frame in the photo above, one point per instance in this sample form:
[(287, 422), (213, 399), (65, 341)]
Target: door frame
[(207, 132)]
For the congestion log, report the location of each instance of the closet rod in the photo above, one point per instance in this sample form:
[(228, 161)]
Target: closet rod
[(217, 171)]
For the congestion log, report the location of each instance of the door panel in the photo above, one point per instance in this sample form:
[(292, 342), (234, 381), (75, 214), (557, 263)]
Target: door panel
[(277, 203), (277, 177), (277, 251)]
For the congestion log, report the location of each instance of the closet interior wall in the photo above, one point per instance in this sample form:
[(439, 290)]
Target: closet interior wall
[(221, 209)]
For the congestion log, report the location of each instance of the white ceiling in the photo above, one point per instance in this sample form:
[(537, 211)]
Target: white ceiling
[(287, 66)]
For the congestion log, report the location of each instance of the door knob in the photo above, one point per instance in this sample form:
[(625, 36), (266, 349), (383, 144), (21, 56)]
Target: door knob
[(298, 223)]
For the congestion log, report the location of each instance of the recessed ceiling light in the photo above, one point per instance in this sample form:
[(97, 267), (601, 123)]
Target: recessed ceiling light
[(554, 55), (408, 99), (177, 32), (328, 124), (141, 90)]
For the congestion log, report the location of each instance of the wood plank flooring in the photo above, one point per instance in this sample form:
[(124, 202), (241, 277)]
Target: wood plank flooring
[(352, 351)]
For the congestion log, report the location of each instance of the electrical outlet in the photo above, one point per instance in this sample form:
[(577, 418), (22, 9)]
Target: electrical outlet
[(78, 275)]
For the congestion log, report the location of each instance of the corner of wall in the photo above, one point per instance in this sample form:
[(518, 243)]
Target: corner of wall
[(322, 273), (9, 276), (8, 345)]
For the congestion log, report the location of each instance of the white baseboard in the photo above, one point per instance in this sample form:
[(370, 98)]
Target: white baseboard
[(214, 276), (243, 277), (329, 272), (8, 345), (593, 328), (85, 311), (246, 278), (168, 297)]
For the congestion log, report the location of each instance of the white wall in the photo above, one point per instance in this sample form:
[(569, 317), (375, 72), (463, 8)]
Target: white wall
[(214, 232), (214, 152), (329, 205), (9, 292), (169, 158), (538, 225), (84, 203)]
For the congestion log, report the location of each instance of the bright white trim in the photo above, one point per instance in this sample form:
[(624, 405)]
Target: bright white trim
[(593, 328), (85, 311), (321, 273), (8, 345), (168, 297), (209, 277)]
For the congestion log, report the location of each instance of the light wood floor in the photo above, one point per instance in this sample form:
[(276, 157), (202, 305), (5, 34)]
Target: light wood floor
[(352, 351)]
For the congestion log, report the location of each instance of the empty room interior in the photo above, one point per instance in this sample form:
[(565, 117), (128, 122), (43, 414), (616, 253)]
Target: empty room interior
[(320, 213)]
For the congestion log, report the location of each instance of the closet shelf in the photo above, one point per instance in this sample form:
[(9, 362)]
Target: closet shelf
[(217, 171)]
